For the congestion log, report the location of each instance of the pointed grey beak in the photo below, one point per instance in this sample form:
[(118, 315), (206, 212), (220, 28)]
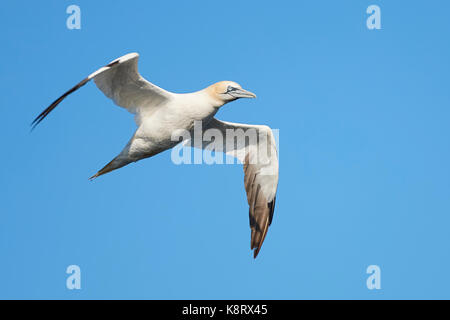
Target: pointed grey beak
[(241, 93)]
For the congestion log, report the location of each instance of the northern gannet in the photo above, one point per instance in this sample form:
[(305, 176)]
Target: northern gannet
[(158, 113)]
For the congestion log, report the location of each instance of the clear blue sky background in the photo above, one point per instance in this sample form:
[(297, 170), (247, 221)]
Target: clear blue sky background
[(364, 152)]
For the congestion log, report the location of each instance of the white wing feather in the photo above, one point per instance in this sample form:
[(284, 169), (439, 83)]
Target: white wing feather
[(260, 160), (120, 81), (123, 84)]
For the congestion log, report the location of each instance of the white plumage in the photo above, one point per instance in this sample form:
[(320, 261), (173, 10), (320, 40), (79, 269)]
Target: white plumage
[(158, 113)]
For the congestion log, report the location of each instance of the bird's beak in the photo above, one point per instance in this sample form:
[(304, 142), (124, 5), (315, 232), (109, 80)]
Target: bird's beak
[(241, 93)]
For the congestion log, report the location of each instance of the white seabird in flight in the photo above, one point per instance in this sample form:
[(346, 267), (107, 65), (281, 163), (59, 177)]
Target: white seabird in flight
[(158, 113)]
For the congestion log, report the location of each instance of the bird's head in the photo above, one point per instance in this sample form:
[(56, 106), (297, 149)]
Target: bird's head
[(227, 91)]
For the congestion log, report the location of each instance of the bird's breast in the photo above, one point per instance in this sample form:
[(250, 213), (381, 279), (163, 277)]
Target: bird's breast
[(184, 112), (179, 115)]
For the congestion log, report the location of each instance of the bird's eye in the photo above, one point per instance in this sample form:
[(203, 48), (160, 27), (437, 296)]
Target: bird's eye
[(230, 88)]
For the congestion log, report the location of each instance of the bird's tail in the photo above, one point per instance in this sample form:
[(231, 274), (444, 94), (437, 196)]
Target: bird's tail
[(116, 163)]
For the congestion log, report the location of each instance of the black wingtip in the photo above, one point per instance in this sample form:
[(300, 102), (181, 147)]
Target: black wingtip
[(36, 121), (32, 127), (55, 103), (43, 114)]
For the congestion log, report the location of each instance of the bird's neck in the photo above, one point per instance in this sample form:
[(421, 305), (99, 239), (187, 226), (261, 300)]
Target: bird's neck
[(213, 97)]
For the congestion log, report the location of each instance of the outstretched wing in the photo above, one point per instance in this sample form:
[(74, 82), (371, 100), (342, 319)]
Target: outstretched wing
[(121, 82), (255, 147)]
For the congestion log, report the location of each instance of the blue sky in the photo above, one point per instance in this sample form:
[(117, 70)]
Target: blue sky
[(364, 155)]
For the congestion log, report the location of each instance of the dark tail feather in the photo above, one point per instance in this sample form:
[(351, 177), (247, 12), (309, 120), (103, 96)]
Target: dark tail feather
[(116, 163)]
